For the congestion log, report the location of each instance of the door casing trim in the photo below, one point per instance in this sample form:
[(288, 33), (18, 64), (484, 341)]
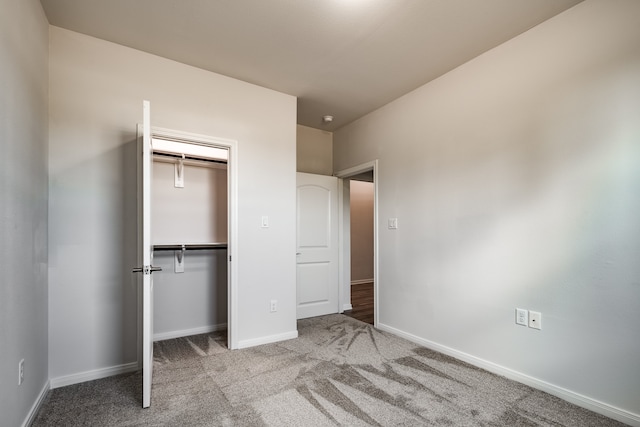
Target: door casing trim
[(232, 218)]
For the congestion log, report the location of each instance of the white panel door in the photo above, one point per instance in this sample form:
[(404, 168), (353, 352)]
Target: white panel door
[(317, 245), (146, 256)]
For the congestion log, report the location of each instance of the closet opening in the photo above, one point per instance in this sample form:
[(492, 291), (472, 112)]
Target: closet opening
[(190, 236)]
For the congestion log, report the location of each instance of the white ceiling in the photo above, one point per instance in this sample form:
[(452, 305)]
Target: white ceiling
[(339, 57)]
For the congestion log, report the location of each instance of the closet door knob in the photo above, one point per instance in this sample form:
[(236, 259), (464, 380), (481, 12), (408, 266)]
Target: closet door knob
[(147, 269)]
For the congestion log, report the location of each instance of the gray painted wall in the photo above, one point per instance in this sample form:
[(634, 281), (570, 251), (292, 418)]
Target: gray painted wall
[(314, 151), (96, 94), (24, 44), (515, 179), (191, 302)]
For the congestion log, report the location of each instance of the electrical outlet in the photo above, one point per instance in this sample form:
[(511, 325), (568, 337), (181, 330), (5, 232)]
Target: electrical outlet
[(522, 317), (21, 372), (274, 305), (535, 320)]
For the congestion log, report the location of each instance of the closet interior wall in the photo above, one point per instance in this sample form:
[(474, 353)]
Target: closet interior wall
[(193, 301)]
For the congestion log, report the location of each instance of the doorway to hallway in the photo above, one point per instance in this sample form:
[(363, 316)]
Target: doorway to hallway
[(361, 248), (359, 233)]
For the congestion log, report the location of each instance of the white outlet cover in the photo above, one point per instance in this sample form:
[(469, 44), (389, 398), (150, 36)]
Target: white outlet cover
[(21, 372), (535, 320), (522, 317)]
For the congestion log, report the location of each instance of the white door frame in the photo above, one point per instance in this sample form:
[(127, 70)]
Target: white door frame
[(232, 217), (345, 227)]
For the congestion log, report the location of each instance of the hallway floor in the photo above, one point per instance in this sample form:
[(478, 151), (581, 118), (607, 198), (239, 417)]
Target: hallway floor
[(361, 302)]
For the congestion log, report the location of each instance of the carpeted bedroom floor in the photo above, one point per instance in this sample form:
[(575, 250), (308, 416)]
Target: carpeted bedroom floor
[(340, 371)]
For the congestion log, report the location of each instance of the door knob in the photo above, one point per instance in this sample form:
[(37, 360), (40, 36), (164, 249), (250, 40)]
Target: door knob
[(146, 269)]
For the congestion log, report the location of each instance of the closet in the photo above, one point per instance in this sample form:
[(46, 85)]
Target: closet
[(189, 235)]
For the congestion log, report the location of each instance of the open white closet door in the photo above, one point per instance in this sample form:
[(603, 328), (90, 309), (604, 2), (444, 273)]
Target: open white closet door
[(146, 257)]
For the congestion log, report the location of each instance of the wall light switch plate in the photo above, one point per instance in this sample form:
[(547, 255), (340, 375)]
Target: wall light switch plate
[(393, 223), (522, 317), (535, 320), (265, 222)]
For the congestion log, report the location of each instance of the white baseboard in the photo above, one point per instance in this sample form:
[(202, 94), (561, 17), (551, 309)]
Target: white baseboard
[(33, 412), (568, 395), (268, 339), (188, 332), (96, 374), (361, 281), (347, 307)]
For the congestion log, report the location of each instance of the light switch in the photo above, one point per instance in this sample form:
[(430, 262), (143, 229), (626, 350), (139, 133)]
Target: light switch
[(393, 223), (265, 222)]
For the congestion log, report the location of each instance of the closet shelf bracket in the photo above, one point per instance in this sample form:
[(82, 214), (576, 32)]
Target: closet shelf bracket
[(178, 261), (179, 173)]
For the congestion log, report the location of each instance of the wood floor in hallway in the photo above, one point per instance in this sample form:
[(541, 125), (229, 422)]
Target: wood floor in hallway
[(361, 302)]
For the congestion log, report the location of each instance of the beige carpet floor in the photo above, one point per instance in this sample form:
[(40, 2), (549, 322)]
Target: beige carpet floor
[(339, 371)]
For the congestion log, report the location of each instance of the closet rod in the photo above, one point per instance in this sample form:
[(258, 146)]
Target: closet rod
[(179, 156), (190, 247)]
